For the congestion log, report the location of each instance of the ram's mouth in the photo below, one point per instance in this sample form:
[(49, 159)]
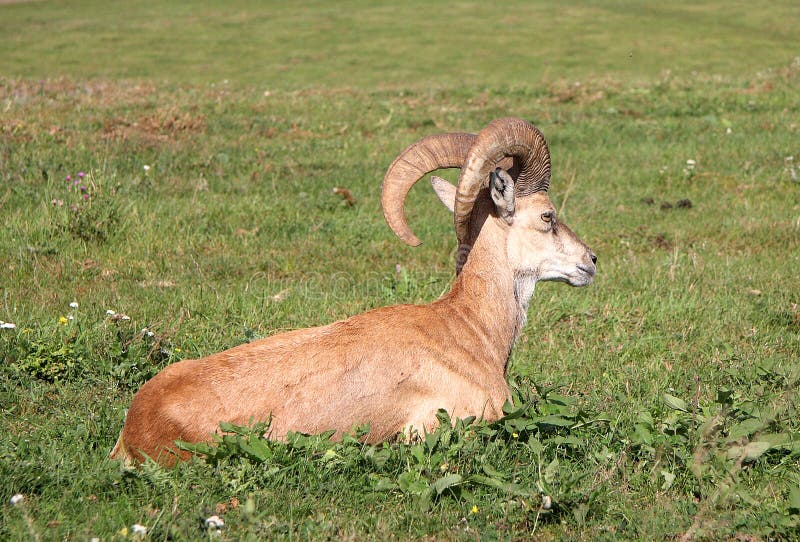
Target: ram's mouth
[(583, 277), (589, 270)]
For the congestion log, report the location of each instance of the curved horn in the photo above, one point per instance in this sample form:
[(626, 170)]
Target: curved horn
[(426, 155), (509, 137)]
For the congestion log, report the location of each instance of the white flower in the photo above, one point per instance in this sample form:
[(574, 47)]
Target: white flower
[(141, 530), (17, 499), (146, 168), (690, 163), (547, 502), (7, 325), (214, 522), (74, 305), (109, 312), (728, 131), (70, 317)]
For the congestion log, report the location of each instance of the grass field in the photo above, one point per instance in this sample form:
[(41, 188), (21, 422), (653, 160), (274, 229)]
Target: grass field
[(659, 403)]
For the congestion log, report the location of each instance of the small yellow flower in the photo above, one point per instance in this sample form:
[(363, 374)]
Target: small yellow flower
[(474, 509), (62, 320), (177, 349), (515, 435)]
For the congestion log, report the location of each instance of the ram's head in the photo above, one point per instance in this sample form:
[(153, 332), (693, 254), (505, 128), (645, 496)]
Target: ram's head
[(505, 174)]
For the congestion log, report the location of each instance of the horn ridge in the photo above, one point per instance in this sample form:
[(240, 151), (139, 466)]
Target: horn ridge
[(502, 138), (417, 160)]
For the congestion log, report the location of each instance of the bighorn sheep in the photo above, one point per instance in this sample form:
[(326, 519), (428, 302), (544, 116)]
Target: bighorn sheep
[(392, 367)]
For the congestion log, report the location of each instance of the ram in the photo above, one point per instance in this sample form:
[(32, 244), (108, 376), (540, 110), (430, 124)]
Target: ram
[(393, 367)]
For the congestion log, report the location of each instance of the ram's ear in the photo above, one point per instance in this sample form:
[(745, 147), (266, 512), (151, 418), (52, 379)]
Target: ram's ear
[(445, 190), (501, 186)]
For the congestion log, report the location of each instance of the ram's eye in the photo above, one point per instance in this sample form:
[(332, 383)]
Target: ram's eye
[(548, 216)]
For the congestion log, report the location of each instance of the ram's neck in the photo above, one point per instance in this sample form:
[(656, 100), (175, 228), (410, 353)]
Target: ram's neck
[(488, 300)]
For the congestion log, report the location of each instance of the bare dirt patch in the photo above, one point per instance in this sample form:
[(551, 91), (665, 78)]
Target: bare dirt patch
[(99, 92), (165, 124)]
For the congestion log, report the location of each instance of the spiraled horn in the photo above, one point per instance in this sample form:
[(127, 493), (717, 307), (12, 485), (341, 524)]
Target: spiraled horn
[(426, 155), (502, 138)]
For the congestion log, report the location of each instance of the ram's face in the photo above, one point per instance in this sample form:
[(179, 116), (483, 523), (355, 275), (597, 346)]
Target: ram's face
[(541, 246)]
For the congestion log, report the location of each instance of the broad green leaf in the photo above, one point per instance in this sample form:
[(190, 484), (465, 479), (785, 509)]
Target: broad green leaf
[(446, 481), (750, 452), (794, 499), (256, 448), (568, 440), (776, 439), (782, 441), (513, 489), (745, 428), (674, 402), (516, 425), (642, 434), (383, 484), (645, 418), (724, 396), (746, 497), (551, 471), (754, 450), (231, 441), (202, 448), (444, 418), (418, 454), (579, 513), (555, 420), (669, 478), (535, 445), (378, 457), (227, 427), (431, 439), (557, 399), (410, 482), (422, 500), (487, 481), (445, 435), (493, 473), (469, 420)]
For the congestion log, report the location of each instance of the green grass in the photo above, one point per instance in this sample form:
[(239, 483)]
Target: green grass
[(668, 371), (278, 45)]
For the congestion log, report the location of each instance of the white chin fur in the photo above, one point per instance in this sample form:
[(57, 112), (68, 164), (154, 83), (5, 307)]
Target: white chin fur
[(523, 290)]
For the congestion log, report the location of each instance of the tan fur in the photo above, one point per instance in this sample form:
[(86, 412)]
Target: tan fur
[(392, 367)]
